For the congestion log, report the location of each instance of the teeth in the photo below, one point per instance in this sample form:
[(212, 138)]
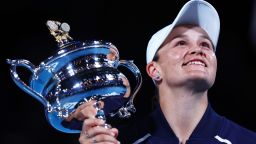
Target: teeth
[(196, 63)]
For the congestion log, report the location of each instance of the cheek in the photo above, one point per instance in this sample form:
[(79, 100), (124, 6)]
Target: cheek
[(213, 60), (171, 63), (176, 56), (173, 57)]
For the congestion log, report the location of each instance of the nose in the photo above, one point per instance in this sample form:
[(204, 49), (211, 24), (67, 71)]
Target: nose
[(197, 51)]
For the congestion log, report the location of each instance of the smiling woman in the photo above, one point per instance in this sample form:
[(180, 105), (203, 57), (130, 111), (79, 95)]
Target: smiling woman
[(182, 62), (187, 65), (24, 35)]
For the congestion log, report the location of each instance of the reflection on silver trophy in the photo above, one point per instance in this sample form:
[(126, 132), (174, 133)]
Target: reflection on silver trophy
[(77, 73)]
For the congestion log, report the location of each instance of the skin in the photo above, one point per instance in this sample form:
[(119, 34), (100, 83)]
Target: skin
[(183, 73), (92, 127), (187, 67), (92, 130)]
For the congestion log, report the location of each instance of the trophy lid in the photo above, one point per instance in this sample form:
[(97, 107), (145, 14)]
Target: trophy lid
[(66, 44), (60, 31)]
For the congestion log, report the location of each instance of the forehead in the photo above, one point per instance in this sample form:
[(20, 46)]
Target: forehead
[(179, 31)]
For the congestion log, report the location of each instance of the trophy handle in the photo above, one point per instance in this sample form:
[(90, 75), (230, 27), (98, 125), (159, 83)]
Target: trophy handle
[(124, 112), (23, 85)]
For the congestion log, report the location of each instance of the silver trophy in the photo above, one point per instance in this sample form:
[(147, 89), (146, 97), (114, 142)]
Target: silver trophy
[(77, 73)]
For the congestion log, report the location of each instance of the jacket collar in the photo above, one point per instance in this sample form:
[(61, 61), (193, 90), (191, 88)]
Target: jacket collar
[(208, 127)]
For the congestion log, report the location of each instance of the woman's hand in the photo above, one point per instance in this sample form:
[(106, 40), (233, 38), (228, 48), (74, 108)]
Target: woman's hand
[(94, 132), (84, 111)]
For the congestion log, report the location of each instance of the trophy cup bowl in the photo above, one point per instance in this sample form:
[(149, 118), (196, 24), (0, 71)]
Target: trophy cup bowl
[(78, 72)]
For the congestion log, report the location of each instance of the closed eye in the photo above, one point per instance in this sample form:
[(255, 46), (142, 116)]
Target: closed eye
[(181, 43), (206, 45)]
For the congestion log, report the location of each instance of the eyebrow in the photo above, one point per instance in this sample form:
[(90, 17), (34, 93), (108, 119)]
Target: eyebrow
[(168, 39), (184, 36), (206, 37)]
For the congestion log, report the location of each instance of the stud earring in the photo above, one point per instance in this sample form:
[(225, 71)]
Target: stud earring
[(157, 76)]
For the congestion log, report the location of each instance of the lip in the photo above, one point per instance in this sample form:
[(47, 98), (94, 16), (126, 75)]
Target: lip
[(195, 60)]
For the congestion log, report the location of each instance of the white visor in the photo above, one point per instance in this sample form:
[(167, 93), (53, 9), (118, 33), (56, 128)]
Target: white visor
[(195, 12)]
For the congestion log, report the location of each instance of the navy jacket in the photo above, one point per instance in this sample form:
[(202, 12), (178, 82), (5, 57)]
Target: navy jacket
[(212, 129)]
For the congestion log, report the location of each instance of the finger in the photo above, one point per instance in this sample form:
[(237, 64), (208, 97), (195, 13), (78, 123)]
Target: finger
[(76, 114), (114, 131), (84, 140), (87, 104), (96, 130), (90, 123), (86, 110), (82, 114), (97, 134), (92, 130), (104, 138)]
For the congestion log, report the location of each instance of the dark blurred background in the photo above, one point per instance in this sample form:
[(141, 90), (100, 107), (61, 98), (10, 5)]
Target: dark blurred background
[(128, 25)]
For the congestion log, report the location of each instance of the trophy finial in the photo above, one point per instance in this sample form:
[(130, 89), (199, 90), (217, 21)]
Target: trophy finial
[(59, 31)]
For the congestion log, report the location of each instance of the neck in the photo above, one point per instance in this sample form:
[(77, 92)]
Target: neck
[(183, 109)]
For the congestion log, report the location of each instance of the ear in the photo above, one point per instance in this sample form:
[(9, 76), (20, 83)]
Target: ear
[(153, 71)]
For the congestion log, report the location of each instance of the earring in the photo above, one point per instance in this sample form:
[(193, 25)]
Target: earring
[(157, 76)]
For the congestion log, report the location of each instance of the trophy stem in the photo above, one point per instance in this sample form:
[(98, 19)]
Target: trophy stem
[(101, 115)]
